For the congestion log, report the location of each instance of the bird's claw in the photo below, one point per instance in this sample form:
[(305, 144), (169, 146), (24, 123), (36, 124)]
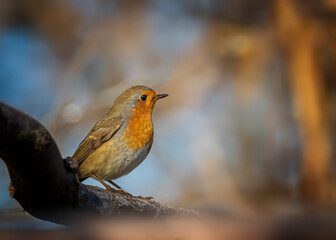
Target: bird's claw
[(123, 192), (144, 198)]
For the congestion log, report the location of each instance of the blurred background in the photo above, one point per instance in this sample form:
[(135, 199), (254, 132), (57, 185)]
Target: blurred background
[(250, 122)]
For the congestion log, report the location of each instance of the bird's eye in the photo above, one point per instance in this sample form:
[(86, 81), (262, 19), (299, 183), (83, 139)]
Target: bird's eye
[(143, 97)]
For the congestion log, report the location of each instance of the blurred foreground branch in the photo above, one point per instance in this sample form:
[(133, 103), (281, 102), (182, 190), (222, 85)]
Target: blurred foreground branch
[(45, 185)]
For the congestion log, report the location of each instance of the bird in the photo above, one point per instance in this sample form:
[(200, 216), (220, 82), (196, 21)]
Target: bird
[(121, 140)]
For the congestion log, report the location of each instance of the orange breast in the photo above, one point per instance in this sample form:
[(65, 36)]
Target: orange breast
[(139, 131)]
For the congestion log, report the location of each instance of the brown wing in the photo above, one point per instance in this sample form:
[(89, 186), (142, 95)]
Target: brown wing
[(96, 137)]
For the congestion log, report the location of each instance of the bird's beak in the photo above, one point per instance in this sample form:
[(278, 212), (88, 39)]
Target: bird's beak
[(161, 96)]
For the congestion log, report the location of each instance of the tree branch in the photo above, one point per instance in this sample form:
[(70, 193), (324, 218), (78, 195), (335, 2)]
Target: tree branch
[(45, 185)]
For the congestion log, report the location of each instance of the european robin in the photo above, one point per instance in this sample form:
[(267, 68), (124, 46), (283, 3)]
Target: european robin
[(121, 139)]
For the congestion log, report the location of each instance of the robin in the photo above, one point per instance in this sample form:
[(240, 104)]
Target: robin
[(121, 139)]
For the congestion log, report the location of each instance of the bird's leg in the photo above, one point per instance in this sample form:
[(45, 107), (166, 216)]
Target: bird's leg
[(122, 190), (117, 186), (102, 182), (109, 187)]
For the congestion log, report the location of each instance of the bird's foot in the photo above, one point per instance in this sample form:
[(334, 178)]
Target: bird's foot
[(144, 198), (123, 192), (139, 197), (120, 191)]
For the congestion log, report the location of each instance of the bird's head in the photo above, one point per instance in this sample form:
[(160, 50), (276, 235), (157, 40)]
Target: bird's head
[(137, 101)]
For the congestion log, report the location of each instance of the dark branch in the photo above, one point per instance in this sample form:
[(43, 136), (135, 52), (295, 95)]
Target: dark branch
[(45, 185)]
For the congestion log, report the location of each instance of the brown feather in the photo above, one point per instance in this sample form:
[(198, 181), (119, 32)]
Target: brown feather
[(95, 138)]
